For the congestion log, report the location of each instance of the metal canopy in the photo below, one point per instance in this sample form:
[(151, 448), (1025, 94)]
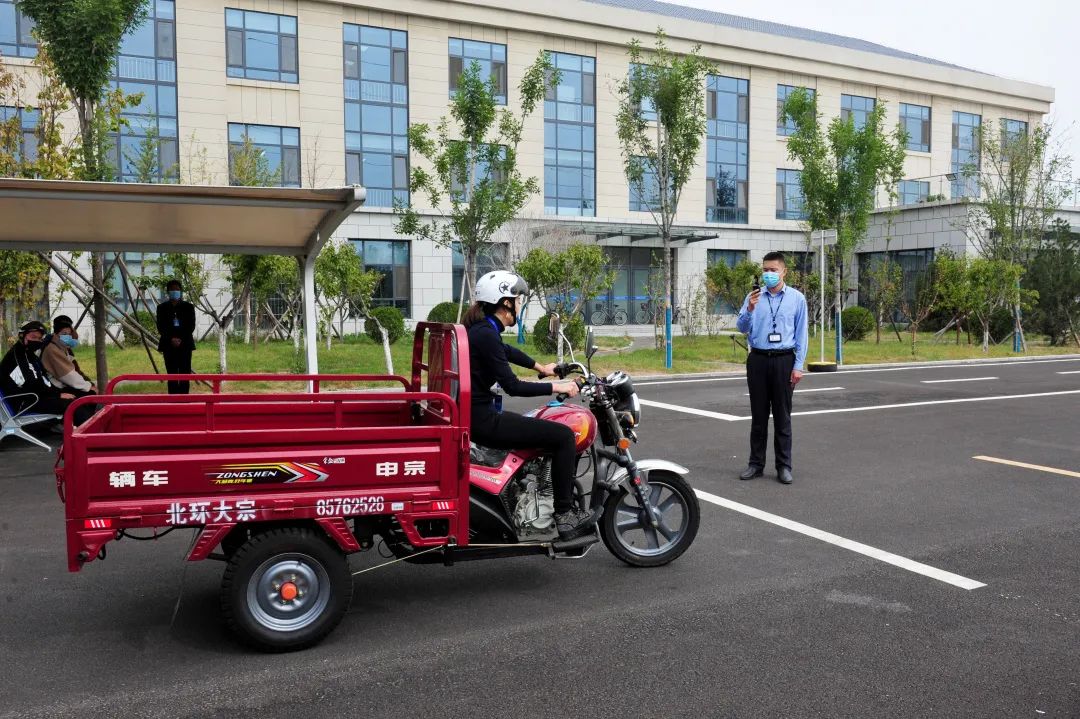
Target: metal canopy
[(604, 231), (49, 215)]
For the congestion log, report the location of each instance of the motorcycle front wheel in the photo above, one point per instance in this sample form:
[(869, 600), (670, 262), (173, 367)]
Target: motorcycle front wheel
[(629, 535)]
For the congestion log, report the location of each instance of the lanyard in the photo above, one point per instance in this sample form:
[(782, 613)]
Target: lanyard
[(768, 297)]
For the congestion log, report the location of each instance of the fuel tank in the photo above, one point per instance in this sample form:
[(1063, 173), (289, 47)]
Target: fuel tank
[(578, 419)]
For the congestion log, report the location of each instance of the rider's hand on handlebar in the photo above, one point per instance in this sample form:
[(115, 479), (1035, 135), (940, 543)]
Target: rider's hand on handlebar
[(545, 370), (570, 389)]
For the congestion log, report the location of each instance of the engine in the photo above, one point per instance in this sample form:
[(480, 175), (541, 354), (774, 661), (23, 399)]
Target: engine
[(531, 501)]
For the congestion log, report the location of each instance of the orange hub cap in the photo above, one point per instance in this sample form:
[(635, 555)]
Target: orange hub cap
[(288, 591)]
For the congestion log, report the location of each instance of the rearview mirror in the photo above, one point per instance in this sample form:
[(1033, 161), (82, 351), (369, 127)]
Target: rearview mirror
[(590, 347)]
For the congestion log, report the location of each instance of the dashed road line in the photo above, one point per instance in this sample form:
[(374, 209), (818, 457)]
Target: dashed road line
[(812, 389), (1025, 465), (956, 379), (1073, 371), (858, 547), (690, 410)]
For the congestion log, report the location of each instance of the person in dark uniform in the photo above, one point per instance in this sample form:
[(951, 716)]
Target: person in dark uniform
[(176, 327), (499, 296), (24, 383), (774, 322)]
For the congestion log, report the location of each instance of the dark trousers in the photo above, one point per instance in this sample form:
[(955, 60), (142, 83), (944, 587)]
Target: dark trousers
[(178, 361), (507, 430), (769, 380)]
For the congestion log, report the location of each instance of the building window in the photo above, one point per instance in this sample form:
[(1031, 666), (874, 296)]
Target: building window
[(146, 65), (648, 109), (790, 203), (261, 46), (913, 264), (138, 265), (913, 191), (490, 56), (570, 138), (484, 172), (279, 145), (802, 262), (491, 257), (915, 119), (857, 108), (16, 39), (729, 258), (23, 122), (965, 153), (390, 258), (645, 198), (1012, 130), (377, 113), (786, 127), (727, 104)]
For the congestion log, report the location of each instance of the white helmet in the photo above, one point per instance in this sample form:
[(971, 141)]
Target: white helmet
[(500, 284)]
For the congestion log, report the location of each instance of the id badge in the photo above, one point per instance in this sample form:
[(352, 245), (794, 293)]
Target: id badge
[(496, 403), (175, 321), (774, 337)]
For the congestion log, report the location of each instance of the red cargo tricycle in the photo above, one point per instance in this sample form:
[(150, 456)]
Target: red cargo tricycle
[(282, 487)]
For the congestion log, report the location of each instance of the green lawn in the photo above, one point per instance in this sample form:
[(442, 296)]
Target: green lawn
[(359, 355)]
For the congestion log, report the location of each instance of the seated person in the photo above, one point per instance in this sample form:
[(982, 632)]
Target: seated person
[(22, 376), (59, 361)]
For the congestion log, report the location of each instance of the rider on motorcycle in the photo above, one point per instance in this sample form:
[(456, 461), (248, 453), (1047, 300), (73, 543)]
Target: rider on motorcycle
[(499, 296)]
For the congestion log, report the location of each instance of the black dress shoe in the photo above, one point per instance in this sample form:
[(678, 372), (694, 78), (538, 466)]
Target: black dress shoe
[(784, 475), (751, 472)]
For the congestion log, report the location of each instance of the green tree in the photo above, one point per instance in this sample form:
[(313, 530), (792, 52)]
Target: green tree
[(471, 163), (341, 285), (1018, 177), (731, 284), (995, 284), (1054, 273), (563, 281), (146, 160), (659, 155), (883, 285), (959, 294), (842, 167)]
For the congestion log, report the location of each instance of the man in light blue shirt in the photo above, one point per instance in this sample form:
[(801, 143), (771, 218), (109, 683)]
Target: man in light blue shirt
[(774, 323)]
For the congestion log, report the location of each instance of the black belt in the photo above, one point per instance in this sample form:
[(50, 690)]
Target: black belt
[(772, 353)]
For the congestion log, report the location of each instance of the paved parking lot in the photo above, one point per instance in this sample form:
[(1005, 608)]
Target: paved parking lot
[(923, 562)]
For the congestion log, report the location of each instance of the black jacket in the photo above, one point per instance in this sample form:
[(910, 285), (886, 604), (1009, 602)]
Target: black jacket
[(21, 372), (490, 360), (167, 312)]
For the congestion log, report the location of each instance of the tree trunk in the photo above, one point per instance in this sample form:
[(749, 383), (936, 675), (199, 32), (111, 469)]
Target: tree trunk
[(223, 365), (914, 333), (838, 299), (986, 338), (249, 303), (1072, 328), (97, 262), (461, 301)]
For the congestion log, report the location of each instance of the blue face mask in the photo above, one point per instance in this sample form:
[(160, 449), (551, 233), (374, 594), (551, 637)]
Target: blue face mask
[(69, 341), (174, 295), (771, 279)]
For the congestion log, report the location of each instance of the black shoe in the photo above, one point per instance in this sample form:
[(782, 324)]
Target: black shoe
[(574, 523), (751, 472), (784, 475)]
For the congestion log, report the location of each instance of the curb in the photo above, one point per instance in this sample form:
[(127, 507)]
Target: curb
[(882, 365)]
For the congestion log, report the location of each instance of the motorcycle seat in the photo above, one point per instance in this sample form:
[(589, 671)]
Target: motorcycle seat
[(486, 456)]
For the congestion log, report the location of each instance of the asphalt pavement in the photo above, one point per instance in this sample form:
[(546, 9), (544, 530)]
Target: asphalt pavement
[(838, 595)]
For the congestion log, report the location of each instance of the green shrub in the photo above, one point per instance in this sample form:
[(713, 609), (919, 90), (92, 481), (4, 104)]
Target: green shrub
[(392, 321), (147, 321), (1001, 323), (445, 312), (857, 322), (574, 331)]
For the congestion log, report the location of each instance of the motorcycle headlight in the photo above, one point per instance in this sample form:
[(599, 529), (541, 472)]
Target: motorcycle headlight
[(626, 399)]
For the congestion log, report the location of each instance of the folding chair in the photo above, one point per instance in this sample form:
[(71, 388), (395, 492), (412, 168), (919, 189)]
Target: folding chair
[(12, 423)]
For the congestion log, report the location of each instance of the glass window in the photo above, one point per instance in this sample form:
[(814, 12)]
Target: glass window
[(646, 198), (390, 258), (376, 112), (1012, 130), (857, 108), (16, 39), (570, 138), (493, 256), (913, 264), (489, 56), (261, 46), (916, 120), (913, 191), (786, 127), (965, 153), (279, 145), (728, 150), (729, 258), (648, 108), (790, 203), (22, 123)]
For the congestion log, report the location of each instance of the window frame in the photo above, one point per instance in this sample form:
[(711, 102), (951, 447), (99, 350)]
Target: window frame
[(402, 301), (925, 124), (783, 183), (782, 128), (465, 59), (578, 76), (281, 145), (850, 111), (240, 69), (722, 136)]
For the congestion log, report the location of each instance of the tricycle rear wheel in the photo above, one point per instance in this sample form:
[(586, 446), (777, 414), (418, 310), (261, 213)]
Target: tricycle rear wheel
[(285, 589)]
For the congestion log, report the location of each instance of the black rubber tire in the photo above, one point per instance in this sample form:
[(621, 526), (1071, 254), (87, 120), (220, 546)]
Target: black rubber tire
[(608, 531), (306, 545), (821, 366)]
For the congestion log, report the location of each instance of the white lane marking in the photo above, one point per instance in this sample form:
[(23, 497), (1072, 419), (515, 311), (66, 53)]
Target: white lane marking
[(1075, 371), (688, 381), (1025, 465), (957, 379), (690, 410), (873, 552), (815, 389), (928, 403), (954, 366)]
